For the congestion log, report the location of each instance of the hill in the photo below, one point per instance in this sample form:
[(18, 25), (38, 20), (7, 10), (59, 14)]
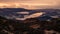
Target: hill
[(12, 13), (29, 26)]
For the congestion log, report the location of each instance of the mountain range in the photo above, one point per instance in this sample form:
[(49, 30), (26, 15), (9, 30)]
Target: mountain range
[(12, 13)]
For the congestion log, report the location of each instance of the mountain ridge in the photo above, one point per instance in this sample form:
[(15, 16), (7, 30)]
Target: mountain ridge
[(12, 12)]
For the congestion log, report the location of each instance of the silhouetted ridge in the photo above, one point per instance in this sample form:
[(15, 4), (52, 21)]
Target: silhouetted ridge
[(2, 17)]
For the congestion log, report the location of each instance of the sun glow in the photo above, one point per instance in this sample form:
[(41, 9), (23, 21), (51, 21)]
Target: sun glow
[(25, 5)]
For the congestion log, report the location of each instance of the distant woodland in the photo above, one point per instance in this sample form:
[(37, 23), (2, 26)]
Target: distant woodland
[(29, 26)]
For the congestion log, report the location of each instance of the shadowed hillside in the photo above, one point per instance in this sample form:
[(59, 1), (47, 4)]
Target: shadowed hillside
[(29, 26)]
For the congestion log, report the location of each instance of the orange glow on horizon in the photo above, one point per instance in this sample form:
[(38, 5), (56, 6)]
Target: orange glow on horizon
[(30, 4)]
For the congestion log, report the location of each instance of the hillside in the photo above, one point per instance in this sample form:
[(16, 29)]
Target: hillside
[(29, 26), (13, 13)]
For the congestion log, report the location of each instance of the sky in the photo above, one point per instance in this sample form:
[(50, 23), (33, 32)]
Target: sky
[(30, 4)]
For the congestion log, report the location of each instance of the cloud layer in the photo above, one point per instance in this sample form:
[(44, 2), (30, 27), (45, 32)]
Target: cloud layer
[(30, 4)]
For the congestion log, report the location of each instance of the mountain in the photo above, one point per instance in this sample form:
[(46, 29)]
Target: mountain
[(12, 13)]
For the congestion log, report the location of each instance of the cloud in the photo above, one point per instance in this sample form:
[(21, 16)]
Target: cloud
[(31, 16), (30, 4), (35, 15), (23, 13)]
